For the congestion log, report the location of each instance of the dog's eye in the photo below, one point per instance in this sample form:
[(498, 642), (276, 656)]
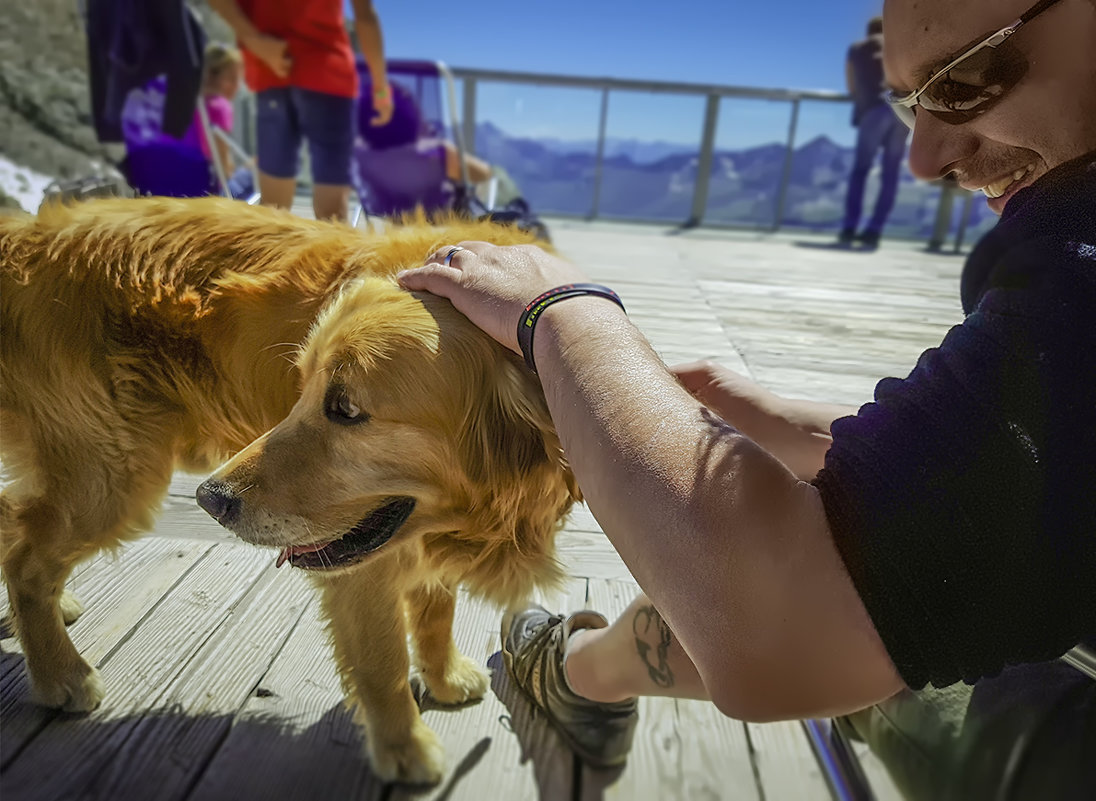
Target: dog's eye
[(338, 408)]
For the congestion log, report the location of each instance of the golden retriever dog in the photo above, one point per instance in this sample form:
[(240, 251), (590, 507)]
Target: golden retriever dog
[(382, 443)]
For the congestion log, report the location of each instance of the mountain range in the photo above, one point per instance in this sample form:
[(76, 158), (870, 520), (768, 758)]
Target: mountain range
[(656, 180)]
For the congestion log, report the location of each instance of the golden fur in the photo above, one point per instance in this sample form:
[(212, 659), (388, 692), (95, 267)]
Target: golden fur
[(143, 335)]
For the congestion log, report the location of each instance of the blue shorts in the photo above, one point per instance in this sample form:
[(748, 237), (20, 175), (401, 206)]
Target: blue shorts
[(285, 115)]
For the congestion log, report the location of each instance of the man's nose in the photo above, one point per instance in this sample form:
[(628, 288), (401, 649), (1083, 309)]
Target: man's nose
[(937, 148)]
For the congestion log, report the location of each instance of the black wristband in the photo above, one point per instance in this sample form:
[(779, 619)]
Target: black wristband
[(527, 322)]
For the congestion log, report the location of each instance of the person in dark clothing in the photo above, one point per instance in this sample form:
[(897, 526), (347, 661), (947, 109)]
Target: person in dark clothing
[(877, 130), (819, 561), (131, 42)]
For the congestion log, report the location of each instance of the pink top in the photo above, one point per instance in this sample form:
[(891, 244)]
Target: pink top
[(220, 116)]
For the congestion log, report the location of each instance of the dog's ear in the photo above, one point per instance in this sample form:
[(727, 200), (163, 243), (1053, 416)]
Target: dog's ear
[(509, 431)]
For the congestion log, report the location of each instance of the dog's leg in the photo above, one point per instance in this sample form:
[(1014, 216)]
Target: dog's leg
[(451, 677), (35, 568), (370, 639)]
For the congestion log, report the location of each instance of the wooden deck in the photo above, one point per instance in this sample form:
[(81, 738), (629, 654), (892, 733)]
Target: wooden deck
[(219, 681)]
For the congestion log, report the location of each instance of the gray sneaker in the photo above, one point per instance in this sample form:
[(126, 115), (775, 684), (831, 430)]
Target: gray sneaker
[(533, 642)]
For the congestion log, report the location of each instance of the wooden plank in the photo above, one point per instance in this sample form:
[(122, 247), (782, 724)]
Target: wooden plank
[(590, 554), (181, 518), (169, 748), (117, 593), (135, 675), (294, 737)]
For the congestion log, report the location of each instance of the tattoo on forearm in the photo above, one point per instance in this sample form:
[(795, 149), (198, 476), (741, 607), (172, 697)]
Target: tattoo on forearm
[(653, 638)]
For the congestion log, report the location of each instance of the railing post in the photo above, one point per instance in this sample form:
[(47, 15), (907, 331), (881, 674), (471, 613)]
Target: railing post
[(599, 157), (704, 161), (468, 115), (786, 173)]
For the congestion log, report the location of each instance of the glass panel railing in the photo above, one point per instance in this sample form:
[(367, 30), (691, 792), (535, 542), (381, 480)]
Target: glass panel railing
[(545, 138), (748, 162), (820, 166), (649, 167)]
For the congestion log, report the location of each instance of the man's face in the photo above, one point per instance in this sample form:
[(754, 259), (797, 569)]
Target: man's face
[(1048, 118)]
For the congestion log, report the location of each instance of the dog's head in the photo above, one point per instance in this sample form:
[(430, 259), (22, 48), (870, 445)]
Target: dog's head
[(414, 431)]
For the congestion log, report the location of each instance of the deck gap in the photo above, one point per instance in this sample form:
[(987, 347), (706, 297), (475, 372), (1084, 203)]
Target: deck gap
[(754, 767)]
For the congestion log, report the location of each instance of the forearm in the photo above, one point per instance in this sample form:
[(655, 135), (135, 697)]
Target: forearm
[(371, 42), (726, 542)]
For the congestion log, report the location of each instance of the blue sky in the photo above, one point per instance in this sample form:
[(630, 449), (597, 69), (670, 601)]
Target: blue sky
[(796, 44)]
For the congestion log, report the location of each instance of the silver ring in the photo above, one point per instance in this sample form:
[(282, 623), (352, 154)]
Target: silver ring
[(449, 256)]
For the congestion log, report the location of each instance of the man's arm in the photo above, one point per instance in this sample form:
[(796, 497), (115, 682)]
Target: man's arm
[(368, 27), (733, 550), (272, 51)]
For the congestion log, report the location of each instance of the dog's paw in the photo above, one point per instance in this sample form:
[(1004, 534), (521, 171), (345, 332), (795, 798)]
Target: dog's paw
[(78, 690), (465, 681), (71, 608), (420, 759)]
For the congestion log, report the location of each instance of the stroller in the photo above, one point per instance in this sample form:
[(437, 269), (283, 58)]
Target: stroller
[(159, 164), (403, 165)]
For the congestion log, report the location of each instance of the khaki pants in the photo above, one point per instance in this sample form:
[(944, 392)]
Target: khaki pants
[(1029, 733)]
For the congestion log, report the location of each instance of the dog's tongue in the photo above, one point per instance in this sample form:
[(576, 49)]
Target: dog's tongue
[(296, 550)]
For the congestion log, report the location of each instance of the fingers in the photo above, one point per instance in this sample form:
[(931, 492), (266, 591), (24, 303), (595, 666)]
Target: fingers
[(694, 374), (706, 380), (275, 53), (443, 270), (382, 113), (436, 279), (440, 255)]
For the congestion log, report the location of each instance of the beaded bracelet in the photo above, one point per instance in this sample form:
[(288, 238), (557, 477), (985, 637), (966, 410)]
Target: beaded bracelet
[(528, 319)]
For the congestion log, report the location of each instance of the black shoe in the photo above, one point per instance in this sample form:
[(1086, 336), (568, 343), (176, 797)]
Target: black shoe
[(846, 237), (533, 642), (868, 239)]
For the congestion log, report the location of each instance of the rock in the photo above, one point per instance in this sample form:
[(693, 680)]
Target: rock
[(7, 202)]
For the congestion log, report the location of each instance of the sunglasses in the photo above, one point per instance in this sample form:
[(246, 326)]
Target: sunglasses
[(972, 83)]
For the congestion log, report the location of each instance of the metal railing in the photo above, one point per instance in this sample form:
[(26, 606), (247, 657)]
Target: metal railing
[(713, 94)]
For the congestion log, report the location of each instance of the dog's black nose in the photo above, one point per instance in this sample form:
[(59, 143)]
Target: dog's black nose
[(217, 499)]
